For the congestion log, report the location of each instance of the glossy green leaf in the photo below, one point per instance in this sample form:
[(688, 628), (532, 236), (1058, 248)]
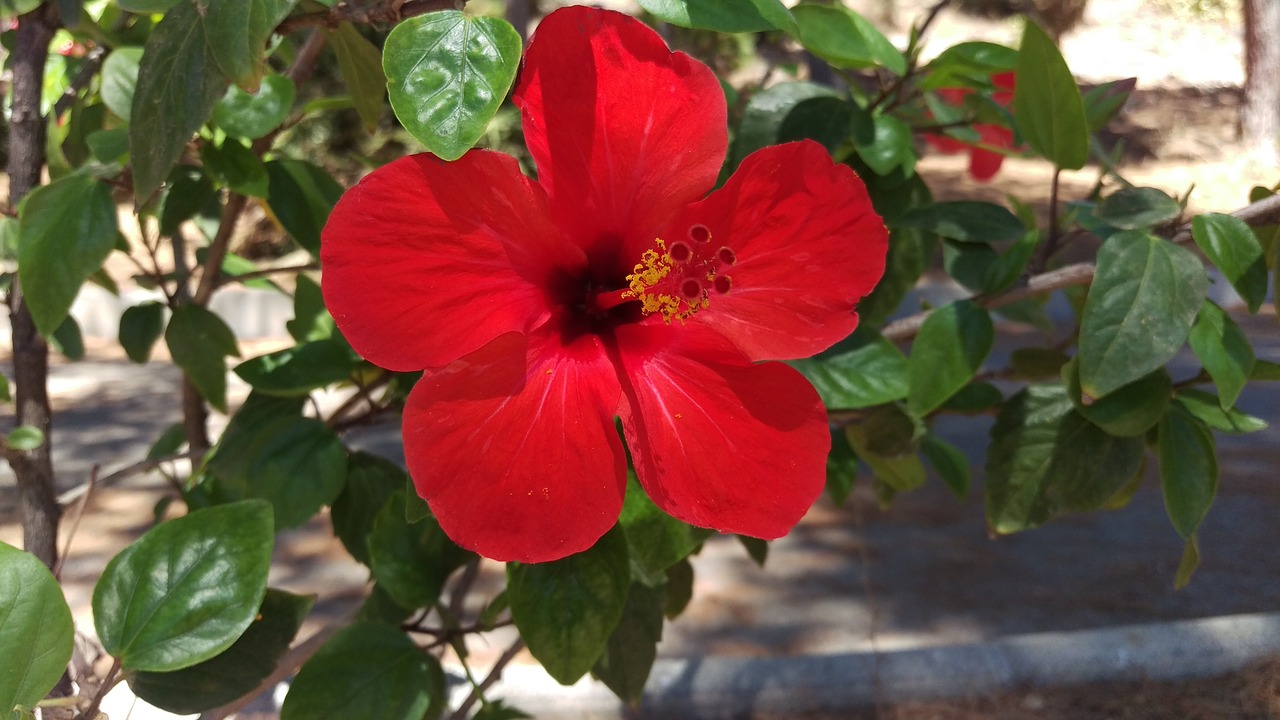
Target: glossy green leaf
[(1231, 245), (965, 220), (722, 15), (633, 646), (24, 438), (873, 374), (1129, 411), (234, 166), (1206, 408), (566, 610), (140, 327), (1137, 208), (66, 231), (300, 369), (35, 630), (368, 669), (891, 146), (655, 539), (371, 481), (1011, 264), (951, 346), (823, 119), (179, 84), (297, 464), (119, 78), (1144, 297), (447, 73), (1046, 102), (949, 462), (253, 115), (1046, 459), (360, 64), (301, 197), (234, 672), (845, 39), (888, 441), (967, 63), (185, 590), (199, 342), (1188, 469), (767, 112), (109, 146), (1224, 350), (411, 562), (237, 31)]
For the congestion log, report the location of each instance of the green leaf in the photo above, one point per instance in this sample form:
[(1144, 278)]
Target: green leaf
[(311, 321), (757, 549), (722, 15), (1129, 411), (1046, 459), (1224, 350), (184, 591), (371, 481), (1137, 208), (965, 220), (189, 191), (253, 115), (1005, 270), (498, 710), (301, 197), (842, 467), (368, 669), (976, 397), (1046, 102), (14, 8), (1188, 564), (447, 73), (633, 645), (199, 342), (179, 84), (656, 541), (1104, 101), (1188, 469), (24, 438), (68, 340), (1264, 370), (235, 166), (4, 389), (296, 463), (237, 31), (823, 119), (767, 112), (566, 610), (1230, 245), (119, 78), (109, 146), (411, 562), (1206, 408), (1037, 363), (35, 630), (66, 231), (1144, 297), (888, 441), (949, 462), (360, 64), (235, 672), (845, 39), (679, 588), (146, 6), (953, 342), (873, 374), (140, 327), (966, 64), (891, 146), (299, 370)]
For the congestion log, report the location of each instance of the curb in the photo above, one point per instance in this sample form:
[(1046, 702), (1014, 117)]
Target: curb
[(836, 685)]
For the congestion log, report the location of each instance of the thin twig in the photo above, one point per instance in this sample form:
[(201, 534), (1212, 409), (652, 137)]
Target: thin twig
[(71, 495), (1051, 243), (108, 682), (92, 63), (360, 15), (463, 586), (218, 248), (267, 272), (76, 516), (494, 674)]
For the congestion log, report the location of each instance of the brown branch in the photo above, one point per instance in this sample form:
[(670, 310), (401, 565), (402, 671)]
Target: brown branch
[(267, 272), (385, 14), (1263, 212), (490, 679), (33, 469), (141, 466), (92, 64)]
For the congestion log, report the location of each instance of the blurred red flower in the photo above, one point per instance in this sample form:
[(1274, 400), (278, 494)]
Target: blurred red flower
[(613, 285), (984, 162)]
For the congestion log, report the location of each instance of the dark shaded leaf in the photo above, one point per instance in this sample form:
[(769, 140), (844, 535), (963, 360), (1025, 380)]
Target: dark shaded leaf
[(1188, 469)]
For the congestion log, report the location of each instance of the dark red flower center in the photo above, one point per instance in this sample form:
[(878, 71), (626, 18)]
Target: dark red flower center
[(675, 280)]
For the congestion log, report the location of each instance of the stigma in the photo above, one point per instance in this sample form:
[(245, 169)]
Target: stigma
[(678, 279)]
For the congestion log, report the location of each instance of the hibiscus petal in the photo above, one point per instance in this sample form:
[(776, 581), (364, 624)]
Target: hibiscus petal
[(624, 131), (808, 246), (983, 163), (716, 441), (425, 261), (514, 447)]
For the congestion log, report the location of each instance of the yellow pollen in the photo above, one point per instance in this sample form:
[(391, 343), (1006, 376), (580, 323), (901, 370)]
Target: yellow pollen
[(678, 289)]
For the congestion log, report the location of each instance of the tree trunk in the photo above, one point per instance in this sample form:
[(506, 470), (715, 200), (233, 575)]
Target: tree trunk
[(33, 468), (1260, 116)]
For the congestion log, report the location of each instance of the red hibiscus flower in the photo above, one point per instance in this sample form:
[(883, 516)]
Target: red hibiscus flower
[(612, 286), (984, 163)]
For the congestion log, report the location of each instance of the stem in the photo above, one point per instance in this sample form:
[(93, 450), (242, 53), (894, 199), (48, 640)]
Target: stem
[(108, 682), (92, 64), (267, 272), (478, 691), (33, 469), (361, 15), (142, 466), (1051, 243)]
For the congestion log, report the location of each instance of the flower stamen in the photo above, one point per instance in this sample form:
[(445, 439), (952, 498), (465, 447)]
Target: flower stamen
[(677, 281)]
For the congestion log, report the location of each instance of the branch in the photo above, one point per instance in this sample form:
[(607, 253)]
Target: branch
[(1263, 212), (387, 14), (142, 466), (92, 64), (267, 272), (490, 679)]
